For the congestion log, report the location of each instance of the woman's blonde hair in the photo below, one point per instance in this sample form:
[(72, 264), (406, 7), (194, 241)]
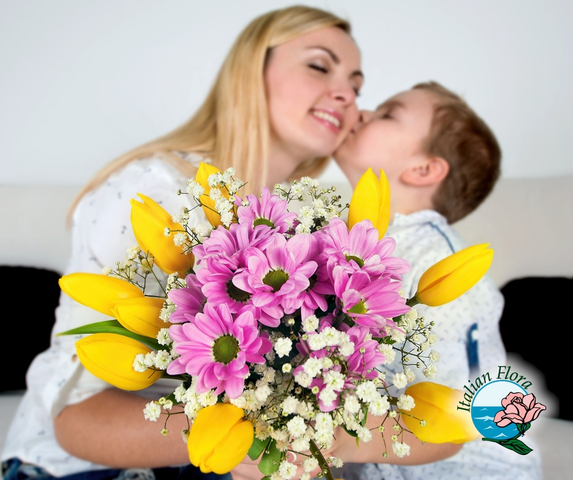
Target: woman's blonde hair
[(231, 127)]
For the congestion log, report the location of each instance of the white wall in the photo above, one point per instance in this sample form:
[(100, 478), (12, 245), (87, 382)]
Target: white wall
[(82, 81)]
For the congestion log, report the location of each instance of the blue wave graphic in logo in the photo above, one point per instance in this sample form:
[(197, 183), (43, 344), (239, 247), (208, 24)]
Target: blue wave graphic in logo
[(483, 421)]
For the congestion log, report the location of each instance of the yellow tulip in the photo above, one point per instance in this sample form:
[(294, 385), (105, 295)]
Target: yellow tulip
[(219, 438), (371, 200), (149, 221), (437, 405), (97, 291), (202, 176), (140, 315), (454, 275), (110, 357)]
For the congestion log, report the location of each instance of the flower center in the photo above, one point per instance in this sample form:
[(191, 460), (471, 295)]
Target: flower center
[(263, 221), (358, 308), (358, 260), (225, 349), (275, 279), (236, 293)]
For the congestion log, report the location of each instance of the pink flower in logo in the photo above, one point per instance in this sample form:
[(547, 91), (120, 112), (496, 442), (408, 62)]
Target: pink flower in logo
[(519, 409)]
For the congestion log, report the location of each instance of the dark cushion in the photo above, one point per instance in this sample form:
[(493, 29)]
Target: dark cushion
[(31, 296), (536, 324)]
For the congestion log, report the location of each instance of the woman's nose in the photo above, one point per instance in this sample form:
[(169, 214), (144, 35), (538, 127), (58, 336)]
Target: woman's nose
[(344, 93)]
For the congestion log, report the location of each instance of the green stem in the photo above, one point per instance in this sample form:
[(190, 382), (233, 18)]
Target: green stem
[(412, 301), (159, 282), (316, 453)]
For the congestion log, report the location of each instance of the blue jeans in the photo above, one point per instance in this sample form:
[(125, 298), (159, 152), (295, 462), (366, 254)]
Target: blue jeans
[(14, 469)]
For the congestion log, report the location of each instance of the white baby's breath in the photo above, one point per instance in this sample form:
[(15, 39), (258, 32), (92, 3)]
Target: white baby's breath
[(406, 402), (400, 380), (401, 449), (152, 411), (283, 346), (139, 364)]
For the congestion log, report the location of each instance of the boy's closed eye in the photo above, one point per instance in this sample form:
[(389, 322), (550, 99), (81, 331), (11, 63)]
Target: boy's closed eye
[(388, 110)]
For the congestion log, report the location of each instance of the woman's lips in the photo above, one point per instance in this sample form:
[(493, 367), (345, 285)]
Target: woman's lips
[(330, 118)]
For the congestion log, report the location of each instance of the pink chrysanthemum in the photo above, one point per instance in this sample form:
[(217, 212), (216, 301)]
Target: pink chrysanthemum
[(270, 210), (272, 276), (188, 300), (305, 248), (217, 285), (229, 246), (371, 303), (360, 250), (224, 254), (217, 349), (366, 357)]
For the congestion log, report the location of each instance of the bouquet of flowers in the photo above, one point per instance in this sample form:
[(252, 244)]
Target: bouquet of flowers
[(276, 324)]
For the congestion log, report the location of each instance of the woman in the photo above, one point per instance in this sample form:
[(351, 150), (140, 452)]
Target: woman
[(282, 102)]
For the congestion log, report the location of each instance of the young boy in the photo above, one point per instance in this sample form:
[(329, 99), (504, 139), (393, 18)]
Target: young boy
[(441, 160)]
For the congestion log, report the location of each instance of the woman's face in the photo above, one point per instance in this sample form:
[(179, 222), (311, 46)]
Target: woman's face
[(311, 83)]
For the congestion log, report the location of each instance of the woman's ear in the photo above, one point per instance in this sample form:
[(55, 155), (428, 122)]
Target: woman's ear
[(425, 172)]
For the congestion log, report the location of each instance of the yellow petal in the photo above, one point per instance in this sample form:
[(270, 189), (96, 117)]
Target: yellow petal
[(365, 202), (437, 405), (447, 265), (384, 210), (96, 291), (453, 276), (211, 427), (371, 201), (110, 357), (149, 220), (141, 315), (232, 449)]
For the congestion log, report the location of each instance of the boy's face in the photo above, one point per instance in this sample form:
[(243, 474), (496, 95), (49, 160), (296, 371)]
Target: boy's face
[(388, 138)]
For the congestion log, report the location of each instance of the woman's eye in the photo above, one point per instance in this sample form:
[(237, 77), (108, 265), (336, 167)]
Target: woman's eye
[(320, 68), (356, 91)]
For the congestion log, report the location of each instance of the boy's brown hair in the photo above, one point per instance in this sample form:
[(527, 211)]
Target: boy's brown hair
[(463, 139)]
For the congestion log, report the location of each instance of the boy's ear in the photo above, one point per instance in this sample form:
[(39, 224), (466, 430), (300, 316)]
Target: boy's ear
[(425, 172)]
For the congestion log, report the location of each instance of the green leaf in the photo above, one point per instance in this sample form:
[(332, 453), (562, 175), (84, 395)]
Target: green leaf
[(523, 427), (365, 413), (511, 444), (271, 459), (113, 326), (257, 447), (517, 446), (352, 433)]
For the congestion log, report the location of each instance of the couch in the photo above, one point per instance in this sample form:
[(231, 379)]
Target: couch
[(528, 222)]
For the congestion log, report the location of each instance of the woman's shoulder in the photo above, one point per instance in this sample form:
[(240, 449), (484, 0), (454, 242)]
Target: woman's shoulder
[(157, 176), (162, 166), (105, 211)]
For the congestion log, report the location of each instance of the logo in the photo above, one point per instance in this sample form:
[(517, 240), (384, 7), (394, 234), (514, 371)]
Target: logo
[(501, 409)]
